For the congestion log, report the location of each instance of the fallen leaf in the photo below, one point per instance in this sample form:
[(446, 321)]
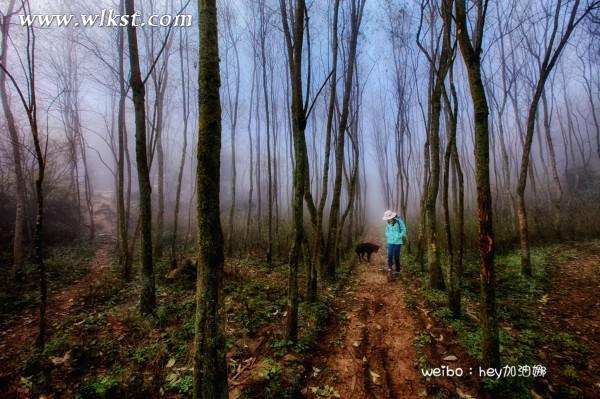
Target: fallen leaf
[(375, 377), (463, 395), (450, 358)]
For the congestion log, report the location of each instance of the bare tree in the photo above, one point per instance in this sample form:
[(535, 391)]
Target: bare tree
[(294, 31), (316, 264), (439, 65), (233, 98), (552, 51), (331, 251), (185, 99), (148, 294), (28, 97), (20, 224)]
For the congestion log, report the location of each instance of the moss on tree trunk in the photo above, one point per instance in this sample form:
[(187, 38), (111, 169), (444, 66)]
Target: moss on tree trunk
[(210, 367)]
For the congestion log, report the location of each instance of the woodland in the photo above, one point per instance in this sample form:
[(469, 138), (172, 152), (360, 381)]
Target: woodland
[(183, 206)]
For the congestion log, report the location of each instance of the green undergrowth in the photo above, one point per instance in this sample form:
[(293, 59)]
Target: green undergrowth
[(518, 301), (282, 372), (64, 264), (109, 350)]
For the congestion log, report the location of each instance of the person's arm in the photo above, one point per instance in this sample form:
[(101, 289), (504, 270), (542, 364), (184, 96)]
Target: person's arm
[(403, 230)]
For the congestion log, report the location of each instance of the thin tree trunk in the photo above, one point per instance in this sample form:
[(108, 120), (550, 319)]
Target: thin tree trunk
[(251, 167), (454, 251), (29, 101), (19, 230), (319, 240), (160, 85), (298, 113), (122, 213), (148, 294), (263, 38), (557, 199), (185, 93), (551, 56), (233, 115), (356, 11)]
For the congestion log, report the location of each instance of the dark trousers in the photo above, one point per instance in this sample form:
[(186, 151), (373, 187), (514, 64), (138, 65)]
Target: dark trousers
[(394, 256)]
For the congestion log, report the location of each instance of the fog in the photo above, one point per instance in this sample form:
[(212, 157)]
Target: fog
[(389, 107)]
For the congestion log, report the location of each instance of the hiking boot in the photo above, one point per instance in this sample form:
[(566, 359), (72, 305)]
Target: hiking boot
[(390, 278)]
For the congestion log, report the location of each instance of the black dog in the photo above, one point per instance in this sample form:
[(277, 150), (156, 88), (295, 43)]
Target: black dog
[(366, 248)]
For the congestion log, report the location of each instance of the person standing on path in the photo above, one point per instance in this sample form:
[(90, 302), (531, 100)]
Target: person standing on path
[(395, 234)]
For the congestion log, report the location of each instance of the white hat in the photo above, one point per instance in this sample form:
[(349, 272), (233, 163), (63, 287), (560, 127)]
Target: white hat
[(388, 215)]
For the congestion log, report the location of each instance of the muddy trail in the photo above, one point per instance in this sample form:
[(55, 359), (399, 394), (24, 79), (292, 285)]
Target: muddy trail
[(21, 334), (369, 351), (572, 306)]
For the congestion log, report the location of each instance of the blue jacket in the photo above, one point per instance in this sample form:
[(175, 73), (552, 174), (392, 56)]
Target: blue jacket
[(395, 233)]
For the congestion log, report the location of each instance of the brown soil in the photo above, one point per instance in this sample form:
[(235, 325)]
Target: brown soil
[(368, 352), (573, 306)]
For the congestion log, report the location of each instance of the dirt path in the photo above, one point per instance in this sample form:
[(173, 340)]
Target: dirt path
[(573, 306), (370, 353), (21, 334)]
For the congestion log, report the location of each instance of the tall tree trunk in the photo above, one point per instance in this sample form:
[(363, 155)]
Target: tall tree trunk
[(160, 86), (122, 213), (356, 11), (251, 169), (451, 154), (160, 216), (39, 230), (319, 240), (87, 183), (28, 99), (210, 365), (294, 38), (185, 96), (19, 230), (557, 199), (263, 38), (148, 294), (551, 55), (471, 52), (233, 120), (438, 70)]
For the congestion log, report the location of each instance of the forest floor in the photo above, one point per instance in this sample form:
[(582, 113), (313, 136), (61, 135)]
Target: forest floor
[(60, 309), (382, 335), (369, 351), (379, 337), (364, 338), (572, 306), (21, 332)]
